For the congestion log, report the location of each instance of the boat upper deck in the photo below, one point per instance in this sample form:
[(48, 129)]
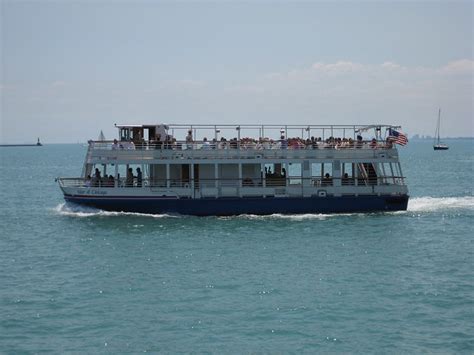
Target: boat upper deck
[(158, 142)]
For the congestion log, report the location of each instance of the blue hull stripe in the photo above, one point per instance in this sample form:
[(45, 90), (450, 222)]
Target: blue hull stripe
[(236, 206)]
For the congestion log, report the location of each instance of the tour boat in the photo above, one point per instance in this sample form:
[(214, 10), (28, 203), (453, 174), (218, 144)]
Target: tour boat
[(222, 170)]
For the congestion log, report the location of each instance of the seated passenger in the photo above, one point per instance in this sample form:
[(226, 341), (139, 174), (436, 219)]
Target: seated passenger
[(327, 180), (222, 144), (247, 182), (373, 143), (345, 179), (88, 181), (205, 144), (350, 143), (111, 181)]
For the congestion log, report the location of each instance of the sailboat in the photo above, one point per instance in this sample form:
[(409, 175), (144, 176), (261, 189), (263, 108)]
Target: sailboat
[(438, 145)]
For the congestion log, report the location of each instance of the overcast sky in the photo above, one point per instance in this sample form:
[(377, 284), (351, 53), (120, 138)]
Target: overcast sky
[(69, 70)]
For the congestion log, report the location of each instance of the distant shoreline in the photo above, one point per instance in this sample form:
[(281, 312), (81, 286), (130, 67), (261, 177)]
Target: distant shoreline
[(442, 138), (20, 145)]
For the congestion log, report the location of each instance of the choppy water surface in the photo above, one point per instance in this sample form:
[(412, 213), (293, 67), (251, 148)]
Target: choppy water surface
[(81, 280)]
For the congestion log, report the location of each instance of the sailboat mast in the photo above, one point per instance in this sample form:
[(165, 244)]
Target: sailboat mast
[(437, 143), (439, 123)]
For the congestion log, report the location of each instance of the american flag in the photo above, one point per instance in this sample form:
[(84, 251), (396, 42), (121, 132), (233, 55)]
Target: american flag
[(397, 137)]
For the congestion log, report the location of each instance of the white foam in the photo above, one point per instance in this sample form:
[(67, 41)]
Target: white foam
[(293, 217), (71, 210), (430, 204)]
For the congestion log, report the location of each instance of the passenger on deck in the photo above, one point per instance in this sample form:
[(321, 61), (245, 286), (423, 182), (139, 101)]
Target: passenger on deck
[(168, 142), (247, 182), (205, 144), (139, 177), (350, 143), (327, 180), (138, 140), (88, 181), (345, 180), (373, 143), (129, 179), (158, 143), (115, 145), (283, 142), (222, 143), (111, 182), (97, 178), (189, 140)]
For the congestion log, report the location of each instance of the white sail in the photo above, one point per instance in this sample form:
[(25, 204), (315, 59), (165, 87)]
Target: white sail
[(101, 136)]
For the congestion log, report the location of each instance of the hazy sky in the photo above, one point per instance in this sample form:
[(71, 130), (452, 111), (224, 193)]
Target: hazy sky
[(69, 70)]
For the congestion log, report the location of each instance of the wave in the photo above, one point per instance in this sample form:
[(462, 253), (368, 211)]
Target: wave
[(431, 204)]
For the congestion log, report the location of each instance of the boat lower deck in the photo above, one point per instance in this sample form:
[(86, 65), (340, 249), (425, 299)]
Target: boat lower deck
[(251, 205)]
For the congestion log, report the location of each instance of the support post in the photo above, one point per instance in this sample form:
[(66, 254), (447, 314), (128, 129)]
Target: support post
[(240, 179)]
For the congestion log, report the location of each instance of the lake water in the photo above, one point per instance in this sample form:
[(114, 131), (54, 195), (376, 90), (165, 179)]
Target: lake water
[(82, 280)]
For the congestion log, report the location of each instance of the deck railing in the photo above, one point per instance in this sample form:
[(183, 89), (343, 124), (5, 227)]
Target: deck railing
[(237, 145), (245, 182)]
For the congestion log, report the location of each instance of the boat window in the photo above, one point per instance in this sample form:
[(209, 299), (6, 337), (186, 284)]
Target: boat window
[(251, 175), (326, 169), (102, 169), (318, 174), (294, 173), (124, 134), (386, 173), (347, 169), (397, 178), (276, 174), (229, 175), (122, 174), (316, 170), (347, 174)]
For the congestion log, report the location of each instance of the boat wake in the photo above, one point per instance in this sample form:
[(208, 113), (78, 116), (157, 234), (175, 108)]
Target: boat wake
[(71, 210), (293, 217), (432, 204), (416, 204)]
